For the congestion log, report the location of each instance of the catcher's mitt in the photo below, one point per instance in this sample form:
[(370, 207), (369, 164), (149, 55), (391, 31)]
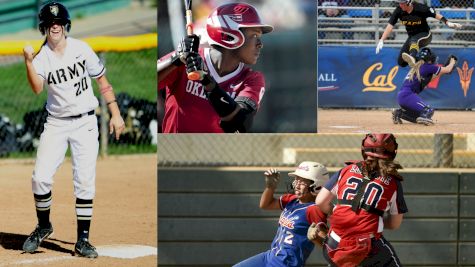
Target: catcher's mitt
[(447, 62), (317, 233)]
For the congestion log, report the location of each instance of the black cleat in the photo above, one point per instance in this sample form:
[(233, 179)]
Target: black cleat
[(397, 116), (84, 249), (36, 237)]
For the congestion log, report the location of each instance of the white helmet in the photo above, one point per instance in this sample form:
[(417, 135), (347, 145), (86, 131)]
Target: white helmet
[(313, 171)]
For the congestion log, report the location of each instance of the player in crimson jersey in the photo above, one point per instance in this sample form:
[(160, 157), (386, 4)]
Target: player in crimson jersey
[(291, 246), (229, 94), (365, 190)]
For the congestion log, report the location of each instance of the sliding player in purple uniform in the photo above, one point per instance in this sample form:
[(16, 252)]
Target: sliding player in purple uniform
[(291, 246), (413, 108)]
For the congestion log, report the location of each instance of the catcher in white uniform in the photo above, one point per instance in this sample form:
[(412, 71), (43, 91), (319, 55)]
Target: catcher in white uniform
[(66, 66)]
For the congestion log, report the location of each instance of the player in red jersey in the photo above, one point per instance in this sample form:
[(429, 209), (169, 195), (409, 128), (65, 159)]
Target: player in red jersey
[(365, 190), (229, 94)]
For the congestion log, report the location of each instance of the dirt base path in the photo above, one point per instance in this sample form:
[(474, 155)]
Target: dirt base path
[(125, 213), (362, 121)]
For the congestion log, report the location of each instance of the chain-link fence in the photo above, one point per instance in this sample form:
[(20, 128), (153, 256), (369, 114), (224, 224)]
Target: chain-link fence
[(362, 22), (22, 113), (415, 150)]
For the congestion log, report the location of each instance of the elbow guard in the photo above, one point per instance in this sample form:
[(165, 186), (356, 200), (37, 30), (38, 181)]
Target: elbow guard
[(222, 103), (242, 121)]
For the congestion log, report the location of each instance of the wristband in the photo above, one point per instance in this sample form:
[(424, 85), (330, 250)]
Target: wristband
[(443, 20)]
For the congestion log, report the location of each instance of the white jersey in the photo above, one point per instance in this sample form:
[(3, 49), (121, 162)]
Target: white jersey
[(68, 78)]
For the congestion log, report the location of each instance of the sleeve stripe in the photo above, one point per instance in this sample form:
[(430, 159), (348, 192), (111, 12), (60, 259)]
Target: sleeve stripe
[(100, 73)]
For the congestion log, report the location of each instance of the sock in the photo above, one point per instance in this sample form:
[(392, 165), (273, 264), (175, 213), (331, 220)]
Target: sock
[(83, 215), (43, 206)]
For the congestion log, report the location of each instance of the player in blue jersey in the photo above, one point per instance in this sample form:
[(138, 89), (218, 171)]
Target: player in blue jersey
[(413, 108), (291, 247)]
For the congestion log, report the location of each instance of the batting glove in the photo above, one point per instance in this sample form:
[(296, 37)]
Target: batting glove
[(379, 46), (272, 178), (194, 62), (188, 44), (454, 25)]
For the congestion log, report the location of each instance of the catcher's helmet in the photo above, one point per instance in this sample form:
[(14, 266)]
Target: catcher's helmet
[(403, 1), (53, 12), (224, 24), (382, 146), (427, 55), (313, 171)]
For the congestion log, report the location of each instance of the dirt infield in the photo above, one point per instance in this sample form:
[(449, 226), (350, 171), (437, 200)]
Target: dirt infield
[(125, 212), (361, 121)]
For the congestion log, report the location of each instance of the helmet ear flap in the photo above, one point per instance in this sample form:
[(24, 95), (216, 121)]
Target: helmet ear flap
[(224, 25)]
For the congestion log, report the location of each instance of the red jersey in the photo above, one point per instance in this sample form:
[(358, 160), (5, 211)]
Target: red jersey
[(382, 194), (187, 109)]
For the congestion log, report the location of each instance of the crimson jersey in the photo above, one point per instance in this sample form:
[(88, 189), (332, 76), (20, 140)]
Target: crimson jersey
[(187, 109), (382, 193)]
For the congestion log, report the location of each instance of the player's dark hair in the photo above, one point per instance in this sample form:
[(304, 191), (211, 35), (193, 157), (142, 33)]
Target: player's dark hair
[(41, 47), (383, 167)]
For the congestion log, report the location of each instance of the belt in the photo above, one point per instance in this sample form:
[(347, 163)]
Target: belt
[(92, 112)]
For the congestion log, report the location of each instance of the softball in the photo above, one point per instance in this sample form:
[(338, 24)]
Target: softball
[(28, 49)]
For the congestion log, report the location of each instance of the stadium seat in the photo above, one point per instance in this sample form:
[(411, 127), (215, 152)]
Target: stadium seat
[(435, 3), (453, 14), (358, 13)]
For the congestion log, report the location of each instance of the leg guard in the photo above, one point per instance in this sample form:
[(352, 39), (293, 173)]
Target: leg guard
[(408, 116), (426, 116)]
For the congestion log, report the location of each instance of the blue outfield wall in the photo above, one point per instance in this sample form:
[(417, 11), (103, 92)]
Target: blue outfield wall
[(355, 77)]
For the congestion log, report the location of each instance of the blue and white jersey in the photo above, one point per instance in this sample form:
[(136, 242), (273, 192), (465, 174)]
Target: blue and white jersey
[(291, 246)]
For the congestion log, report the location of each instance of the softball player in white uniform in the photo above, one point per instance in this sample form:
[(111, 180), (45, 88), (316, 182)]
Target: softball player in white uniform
[(66, 66)]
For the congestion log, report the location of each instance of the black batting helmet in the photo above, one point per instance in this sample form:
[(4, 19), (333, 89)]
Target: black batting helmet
[(427, 55), (382, 146), (53, 12)]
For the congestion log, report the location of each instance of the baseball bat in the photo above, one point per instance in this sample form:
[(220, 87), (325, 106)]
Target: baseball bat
[(194, 75)]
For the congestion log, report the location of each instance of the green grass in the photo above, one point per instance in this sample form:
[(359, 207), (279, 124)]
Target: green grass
[(130, 72)]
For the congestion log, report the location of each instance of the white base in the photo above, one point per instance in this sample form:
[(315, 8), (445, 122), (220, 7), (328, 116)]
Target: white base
[(125, 251)]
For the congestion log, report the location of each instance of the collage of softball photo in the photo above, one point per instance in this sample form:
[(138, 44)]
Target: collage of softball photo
[(273, 133)]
